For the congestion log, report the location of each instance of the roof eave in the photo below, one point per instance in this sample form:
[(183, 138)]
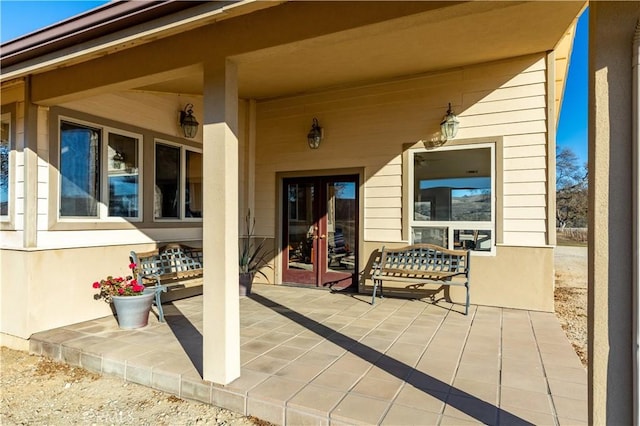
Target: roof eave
[(120, 23)]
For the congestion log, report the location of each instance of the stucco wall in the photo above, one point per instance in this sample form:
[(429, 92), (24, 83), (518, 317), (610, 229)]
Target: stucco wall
[(55, 286), (611, 336), (516, 277)]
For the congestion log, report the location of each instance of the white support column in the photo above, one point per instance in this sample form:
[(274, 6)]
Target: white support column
[(221, 306), (30, 158)]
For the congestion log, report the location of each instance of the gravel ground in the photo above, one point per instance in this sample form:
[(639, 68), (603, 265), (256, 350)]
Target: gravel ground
[(571, 295), (39, 391)]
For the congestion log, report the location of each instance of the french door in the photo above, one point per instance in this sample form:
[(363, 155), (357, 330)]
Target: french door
[(320, 231)]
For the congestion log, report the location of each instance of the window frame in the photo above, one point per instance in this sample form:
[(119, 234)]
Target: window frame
[(181, 184), (451, 225), (6, 220), (105, 172), (103, 196)]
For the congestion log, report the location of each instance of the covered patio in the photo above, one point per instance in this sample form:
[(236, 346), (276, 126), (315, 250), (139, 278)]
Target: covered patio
[(310, 356)]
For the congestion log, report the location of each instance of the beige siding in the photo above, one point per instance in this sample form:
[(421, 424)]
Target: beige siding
[(113, 108), (154, 111), (524, 213), (524, 176), (368, 126)]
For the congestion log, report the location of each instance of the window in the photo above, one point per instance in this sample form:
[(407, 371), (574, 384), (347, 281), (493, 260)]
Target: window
[(452, 197), (79, 170), (123, 172), (5, 150), (96, 180), (178, 186)]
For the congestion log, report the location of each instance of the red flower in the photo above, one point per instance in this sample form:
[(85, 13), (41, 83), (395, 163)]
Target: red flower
[(96, 284), (120, 290), (137, 288), (132, 266)]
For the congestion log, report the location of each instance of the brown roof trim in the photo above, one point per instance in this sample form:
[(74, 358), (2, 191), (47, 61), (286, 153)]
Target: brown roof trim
[(109, 18)]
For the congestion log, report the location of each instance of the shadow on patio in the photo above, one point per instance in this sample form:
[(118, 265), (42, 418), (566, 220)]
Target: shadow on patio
[(312, 357)]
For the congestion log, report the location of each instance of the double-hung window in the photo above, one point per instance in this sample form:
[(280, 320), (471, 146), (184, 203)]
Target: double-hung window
[(178, 182), (452, 197), (99, 172), (5, 158)]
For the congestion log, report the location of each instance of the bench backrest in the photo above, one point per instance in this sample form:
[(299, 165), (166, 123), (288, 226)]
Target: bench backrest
[(423, 259), (169, 261)]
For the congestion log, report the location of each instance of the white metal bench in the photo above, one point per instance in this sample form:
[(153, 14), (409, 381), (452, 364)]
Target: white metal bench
[(422, 264)]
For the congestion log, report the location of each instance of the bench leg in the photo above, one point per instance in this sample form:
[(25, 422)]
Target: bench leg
[(160, 289), (375, 288), (466, 309)]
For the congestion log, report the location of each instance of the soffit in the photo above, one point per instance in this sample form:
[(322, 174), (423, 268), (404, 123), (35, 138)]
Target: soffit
[(448, 37)]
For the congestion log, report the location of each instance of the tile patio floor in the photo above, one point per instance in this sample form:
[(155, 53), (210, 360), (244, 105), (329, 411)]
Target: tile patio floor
[(314, 357)]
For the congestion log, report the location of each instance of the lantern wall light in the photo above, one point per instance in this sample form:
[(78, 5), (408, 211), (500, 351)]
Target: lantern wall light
[(449, 125), (118, 160), (188, 122), (315, 135)]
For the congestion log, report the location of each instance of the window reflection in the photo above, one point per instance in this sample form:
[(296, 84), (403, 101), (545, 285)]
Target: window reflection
[(193, 185), (453, 185), (167, 188), (79, 170), (122, 156), (452, 198)]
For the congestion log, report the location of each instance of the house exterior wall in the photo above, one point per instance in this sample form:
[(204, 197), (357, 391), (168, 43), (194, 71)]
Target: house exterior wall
[(367, 131), (45, 289), (369, 127), (49, 285)]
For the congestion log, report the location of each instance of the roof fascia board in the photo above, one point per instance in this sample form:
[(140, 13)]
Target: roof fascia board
[(165, 26), (92, 19)]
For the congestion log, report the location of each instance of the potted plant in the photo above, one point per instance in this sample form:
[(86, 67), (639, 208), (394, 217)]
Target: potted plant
[(252, 256), (131, 301)]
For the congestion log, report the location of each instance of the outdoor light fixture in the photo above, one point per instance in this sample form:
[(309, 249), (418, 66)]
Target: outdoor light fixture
[(449, 125), (118, 160), (315, 135), (188, 122)]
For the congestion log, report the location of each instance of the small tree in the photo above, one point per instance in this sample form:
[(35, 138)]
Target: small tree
[(571, 190)]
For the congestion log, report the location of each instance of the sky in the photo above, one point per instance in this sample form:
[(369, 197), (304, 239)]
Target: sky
[(19, 17)]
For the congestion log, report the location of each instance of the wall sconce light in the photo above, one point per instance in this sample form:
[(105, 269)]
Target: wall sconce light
[(449, 125), (118, 160), (188, 122), (315, 135)]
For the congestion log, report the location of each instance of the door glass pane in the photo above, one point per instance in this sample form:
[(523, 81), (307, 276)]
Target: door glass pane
[(167, 189), (79, 170), (341, 226), (124, 190), (193, 185), (301, 225)]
